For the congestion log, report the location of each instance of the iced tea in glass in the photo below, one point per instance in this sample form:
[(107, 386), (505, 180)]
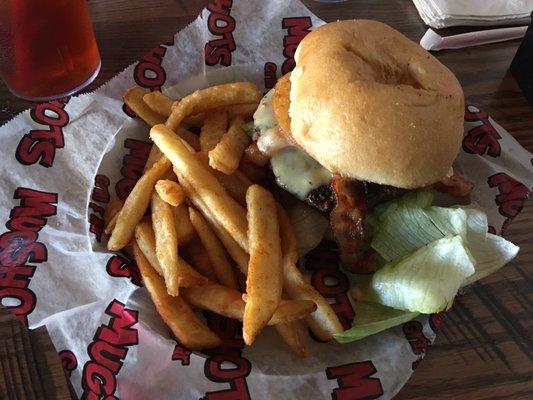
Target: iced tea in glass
[(47, 47)]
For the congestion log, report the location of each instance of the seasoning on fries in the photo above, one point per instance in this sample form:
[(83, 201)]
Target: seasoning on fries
[(182, 321), (323, 322), (232, 214), (213, 97), (135, 205), (235, 251), (291, 333), (166, 242), (228, 152), (197, 256), (229, 303), (205, 209), (158, 102), (134, 100), (215, 250), (170, 192), (183, 223), (264, 282), (213, 129)]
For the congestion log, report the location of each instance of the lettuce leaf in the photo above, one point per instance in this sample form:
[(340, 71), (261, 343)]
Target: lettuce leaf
[(430, 253), (372, 318), (425, 281), (408, 227)]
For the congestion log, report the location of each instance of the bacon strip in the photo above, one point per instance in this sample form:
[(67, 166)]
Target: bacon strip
[(353, 200), (346, 220), (456, 185)]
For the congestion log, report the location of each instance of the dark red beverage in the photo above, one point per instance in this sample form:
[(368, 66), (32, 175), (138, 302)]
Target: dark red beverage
[(47, 47)]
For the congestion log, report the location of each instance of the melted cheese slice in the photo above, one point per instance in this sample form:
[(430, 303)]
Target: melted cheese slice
[(295, 171)]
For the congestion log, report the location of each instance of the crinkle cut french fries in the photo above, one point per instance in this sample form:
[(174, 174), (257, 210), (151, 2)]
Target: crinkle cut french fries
[(195, 222)]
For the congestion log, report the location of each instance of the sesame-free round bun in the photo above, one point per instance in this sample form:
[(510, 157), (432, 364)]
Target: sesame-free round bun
[(369, 104)]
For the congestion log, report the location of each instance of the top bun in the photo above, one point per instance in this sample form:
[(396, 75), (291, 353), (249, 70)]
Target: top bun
[(367, 103)]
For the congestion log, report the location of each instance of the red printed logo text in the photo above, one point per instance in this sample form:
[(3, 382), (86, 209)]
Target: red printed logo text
[(416, 338), (228, 353), (132, 166), (100, 194), (297, 28), (68, 361), (122, 267), (20, 249), (482, 139), (40, 145), (355, 381), (511, 198), (149, 73), (181, 354), (221, 24), (108, 351), (330, 281)]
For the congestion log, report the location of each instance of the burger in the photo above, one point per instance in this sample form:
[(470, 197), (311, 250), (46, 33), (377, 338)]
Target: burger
[(366, 116)]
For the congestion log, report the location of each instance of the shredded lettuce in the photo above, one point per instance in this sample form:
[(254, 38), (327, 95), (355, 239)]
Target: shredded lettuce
[(372, 318)]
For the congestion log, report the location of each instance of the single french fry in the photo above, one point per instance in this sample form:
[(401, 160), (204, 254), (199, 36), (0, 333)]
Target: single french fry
[(175, 272), (213, 97), (111, 214), (234, 250), (135, 205), (145, 239), (236, 183), (197, 256), (291, 333), (323, 322), (134, 100), (230, 214), (213, 129), (215, 250), (229, 303), (171, 192), (183, 224), (291, 310), (265, 277), (159, 103), (166, 243), (154, 156), (162, 104), (175, 312), (228, 152)]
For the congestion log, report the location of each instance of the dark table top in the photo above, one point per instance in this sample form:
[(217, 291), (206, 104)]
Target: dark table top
[(484, 349)]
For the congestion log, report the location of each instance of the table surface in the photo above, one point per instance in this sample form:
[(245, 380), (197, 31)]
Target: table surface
[(484, 348)]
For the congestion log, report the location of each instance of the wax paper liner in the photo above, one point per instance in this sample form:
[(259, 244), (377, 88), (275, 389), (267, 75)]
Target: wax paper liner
[(64, 160)]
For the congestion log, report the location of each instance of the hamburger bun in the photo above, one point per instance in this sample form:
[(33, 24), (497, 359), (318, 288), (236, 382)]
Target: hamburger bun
[(369, 104)]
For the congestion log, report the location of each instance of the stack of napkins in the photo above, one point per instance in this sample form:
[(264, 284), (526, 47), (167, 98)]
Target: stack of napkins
[(444, 13)]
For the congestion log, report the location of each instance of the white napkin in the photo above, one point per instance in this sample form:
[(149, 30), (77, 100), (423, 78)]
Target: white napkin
[(444, 13)]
